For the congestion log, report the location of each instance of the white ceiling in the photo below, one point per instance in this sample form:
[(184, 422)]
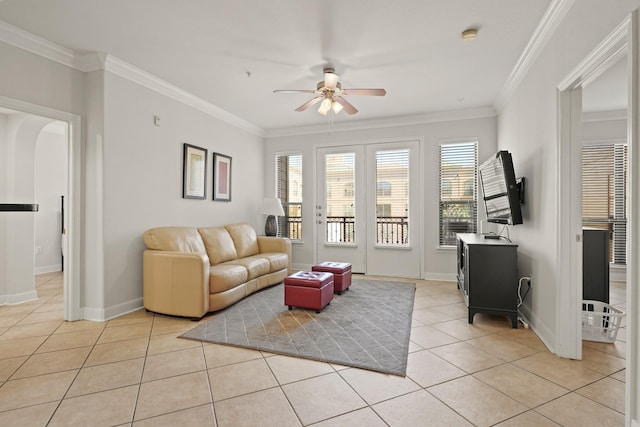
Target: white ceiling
[(234, 53)]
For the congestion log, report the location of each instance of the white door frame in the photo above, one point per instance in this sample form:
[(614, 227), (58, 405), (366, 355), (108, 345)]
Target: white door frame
[(633, 243), (624, 40), (73, 212)]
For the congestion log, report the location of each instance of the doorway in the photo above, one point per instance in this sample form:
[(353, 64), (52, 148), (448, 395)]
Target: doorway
[(72, 227), (623, 42), (368, 207)]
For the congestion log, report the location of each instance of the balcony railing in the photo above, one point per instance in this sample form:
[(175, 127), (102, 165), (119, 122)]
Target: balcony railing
[(290, 227), (341, 229), (391, 230)]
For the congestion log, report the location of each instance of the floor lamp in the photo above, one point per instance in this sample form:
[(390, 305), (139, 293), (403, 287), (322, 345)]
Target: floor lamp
[(272, 208)]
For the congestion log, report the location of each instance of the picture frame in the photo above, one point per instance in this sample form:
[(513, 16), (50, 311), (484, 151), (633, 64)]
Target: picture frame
[(194, 172), (221, 177)]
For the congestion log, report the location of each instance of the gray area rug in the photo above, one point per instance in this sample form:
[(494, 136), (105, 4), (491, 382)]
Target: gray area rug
[(368, 326)]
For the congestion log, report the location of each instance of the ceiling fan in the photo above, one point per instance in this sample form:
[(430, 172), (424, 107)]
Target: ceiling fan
[(330, 94)]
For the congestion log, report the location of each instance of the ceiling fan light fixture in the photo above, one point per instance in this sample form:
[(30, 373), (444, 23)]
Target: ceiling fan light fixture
[(330, 78), (325, 106), (331, 96)]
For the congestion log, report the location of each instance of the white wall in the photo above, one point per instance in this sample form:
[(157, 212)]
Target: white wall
[(20, 133), (29, 78), (527, 126), (131, 174), (439, 264), (50, 183), (142, 179), (595, 129)]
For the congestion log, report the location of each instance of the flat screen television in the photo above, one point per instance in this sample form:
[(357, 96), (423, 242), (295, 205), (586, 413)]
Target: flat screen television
[(502, 192)]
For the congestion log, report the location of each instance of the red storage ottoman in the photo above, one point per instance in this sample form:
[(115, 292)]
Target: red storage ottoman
[(341, 274), (308, 289)]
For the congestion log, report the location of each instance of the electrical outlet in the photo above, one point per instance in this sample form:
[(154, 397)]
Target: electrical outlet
[(38, 250)]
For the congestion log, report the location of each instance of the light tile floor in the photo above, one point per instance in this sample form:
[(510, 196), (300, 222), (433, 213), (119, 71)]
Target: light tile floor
[(134, 371)]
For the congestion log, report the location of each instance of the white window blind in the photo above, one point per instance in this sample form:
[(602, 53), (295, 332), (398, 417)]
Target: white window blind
[(392, 197), (604, 194), (458, 190), (289, 191)]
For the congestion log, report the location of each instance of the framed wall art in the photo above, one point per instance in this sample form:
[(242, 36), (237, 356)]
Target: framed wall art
[(221, 177), (194, 172)]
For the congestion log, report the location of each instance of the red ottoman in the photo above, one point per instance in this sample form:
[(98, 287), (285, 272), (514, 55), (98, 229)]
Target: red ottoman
[(341, 274), (308, 289)]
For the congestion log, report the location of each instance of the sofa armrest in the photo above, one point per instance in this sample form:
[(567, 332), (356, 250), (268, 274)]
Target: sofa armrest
[(176, 283), (268, 244)]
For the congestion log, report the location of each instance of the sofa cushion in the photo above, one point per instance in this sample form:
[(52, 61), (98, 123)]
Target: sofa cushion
[(178, 239), (245, 239), (226, 276), (218, 243), (277, 261), (256, 265)]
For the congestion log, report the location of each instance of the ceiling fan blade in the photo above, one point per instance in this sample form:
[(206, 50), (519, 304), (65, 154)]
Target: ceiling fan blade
[(350, 109), (330, 79), (309, 103), (294, 91), (364, 92)]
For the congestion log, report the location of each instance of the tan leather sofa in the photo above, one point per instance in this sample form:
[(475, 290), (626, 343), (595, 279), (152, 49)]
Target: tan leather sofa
[(190, 271)]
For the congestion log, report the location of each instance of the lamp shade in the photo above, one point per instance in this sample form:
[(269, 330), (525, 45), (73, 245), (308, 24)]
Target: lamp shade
[(272, 206)]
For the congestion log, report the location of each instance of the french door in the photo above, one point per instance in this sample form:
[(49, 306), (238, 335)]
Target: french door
[(367, 210), (340, 211)]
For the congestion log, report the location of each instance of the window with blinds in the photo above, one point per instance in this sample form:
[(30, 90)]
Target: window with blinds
[(458, 190), (604, 194), (392, 197), (289, 191)]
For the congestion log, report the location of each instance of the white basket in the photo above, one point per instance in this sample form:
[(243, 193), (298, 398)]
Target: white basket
[(600, 321)]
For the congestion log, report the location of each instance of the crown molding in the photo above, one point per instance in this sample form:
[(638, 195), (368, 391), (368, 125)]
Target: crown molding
[(387, 122), (100, 61), (35, 44), (603, 116), (143, 78), (550, 21), (609, 51)]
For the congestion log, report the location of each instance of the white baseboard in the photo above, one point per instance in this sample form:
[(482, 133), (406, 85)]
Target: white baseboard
[(92, 314), (48, 269), (124, 308), (536, 326), (441, 277), (18, 298), (104, 314)]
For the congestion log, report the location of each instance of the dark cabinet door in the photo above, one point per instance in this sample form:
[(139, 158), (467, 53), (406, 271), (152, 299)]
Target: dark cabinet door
[(595, 264)]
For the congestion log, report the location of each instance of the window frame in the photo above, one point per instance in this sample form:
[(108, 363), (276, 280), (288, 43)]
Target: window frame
[(284, 222), (448, 229), (617, 217)]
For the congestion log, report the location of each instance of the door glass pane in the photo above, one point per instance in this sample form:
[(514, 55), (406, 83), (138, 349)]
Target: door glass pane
[(340, 184), (392, 197), (289, 191)]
